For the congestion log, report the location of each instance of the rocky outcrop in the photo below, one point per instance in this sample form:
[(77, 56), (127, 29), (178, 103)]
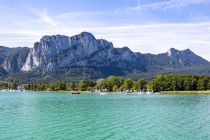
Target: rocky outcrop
[(16, 59), (176, 58), (4, 52), (84, 50)]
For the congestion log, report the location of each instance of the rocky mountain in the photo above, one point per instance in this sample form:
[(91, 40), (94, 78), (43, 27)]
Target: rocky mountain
[(16, 59), (4, 52), (83, 50), (176, 58), (84, 56)]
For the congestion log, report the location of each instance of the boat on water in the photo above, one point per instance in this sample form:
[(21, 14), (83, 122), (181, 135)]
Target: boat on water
[(11, 90), (134, 93), (103, 93), (75, 93), (129, 93), (140, 93), (157, 93), (3, 90), (149, 91)]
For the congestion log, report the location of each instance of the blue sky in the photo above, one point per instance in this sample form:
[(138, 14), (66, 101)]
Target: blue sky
[(143, 25)]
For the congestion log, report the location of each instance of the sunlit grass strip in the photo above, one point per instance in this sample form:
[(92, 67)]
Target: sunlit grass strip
[(186, 92)]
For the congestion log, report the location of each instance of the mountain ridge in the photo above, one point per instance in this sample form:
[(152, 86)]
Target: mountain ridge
[(99, 56)]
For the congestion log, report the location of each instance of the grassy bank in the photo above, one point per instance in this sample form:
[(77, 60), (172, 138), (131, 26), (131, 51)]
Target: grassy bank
[(186, 92)]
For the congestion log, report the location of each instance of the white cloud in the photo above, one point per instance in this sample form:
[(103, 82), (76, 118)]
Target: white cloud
[(167, 4), (46, 18), (43, 17), (149, 38), (154, 38)]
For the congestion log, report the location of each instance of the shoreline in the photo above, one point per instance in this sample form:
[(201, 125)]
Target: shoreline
[(90, 92), (186, 92)]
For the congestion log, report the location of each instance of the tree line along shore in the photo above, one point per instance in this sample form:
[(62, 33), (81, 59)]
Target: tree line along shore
[(161, 83)]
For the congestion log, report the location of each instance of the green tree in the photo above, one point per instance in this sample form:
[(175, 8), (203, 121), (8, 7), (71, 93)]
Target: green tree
[(101, 84), (12, 86), (208, 84), (140, 85), (83, 85), (158, 84), (113, 81), (203, 83), (71, 86), (57, 86), (115, 88), (128, 84), (154, 85)]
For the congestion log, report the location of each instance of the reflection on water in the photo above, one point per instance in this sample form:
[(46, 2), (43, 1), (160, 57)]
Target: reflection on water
[(66, 116)]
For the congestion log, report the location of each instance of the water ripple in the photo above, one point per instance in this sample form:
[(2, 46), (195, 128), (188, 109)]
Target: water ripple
[(93, 117)]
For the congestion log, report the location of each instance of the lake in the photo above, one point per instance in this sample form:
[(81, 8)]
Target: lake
[(43, 116)]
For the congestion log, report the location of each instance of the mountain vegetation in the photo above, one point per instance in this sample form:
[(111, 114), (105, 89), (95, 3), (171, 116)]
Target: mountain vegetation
[(180, 83), (62, 58), (119, 84)]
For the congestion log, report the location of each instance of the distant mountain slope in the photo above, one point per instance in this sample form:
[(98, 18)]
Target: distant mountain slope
[(16, 59), (65, 58), (4, 52), (176, 58), (82, 50)]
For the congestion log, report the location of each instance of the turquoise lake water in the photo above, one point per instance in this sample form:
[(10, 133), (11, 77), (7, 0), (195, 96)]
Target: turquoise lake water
[(43, 116)]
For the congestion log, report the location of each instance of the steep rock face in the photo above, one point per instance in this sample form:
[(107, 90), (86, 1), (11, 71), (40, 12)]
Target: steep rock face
[(58, 54), (176, 58), (4, 52), (81, 50), (16, 59), (188, 58), (64, 50)]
